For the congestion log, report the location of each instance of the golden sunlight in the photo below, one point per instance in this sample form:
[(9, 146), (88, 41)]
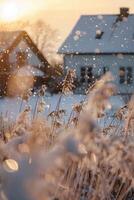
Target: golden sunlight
[(10, 11)]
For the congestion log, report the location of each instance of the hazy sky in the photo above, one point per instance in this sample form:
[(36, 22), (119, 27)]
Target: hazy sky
[(87, 5), (63, 14), (79, 5)]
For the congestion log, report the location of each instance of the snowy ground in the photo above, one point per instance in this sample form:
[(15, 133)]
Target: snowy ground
[(11, 107)]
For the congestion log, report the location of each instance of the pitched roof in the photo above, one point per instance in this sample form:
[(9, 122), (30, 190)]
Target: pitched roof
[(116, 36), (10, 39)]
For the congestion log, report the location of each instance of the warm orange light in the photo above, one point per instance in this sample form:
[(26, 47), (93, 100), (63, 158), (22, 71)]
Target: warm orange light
[(15, 10), (9, 11)]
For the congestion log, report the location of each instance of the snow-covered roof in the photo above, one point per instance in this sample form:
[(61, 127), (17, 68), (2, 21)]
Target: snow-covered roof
[(7, 38), (116, 35)]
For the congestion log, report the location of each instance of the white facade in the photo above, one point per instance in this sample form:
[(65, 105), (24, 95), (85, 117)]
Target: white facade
[(102, 63)]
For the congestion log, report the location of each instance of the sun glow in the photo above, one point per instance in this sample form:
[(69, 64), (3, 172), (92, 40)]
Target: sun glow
[(10, 11)]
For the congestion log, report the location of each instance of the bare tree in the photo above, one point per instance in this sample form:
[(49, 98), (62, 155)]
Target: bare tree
[(46, 40)]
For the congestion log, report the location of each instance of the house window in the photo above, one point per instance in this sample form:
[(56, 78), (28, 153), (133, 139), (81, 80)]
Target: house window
[(129, 75), (105, 70), (21, 59), (89, 74), (83, 75), (122, 72), (86, 74), (126, 75)]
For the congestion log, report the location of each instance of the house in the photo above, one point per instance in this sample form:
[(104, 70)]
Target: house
[(19, 53), (101, 43)]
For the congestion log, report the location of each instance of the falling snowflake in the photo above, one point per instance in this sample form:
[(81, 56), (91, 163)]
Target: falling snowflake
[(100, 17), (97, 50), (76, 37)]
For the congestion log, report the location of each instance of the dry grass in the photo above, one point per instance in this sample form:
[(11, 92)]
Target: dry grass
[(76, 160)]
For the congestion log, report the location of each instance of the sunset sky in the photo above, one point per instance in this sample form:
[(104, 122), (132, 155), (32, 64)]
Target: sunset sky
[(85, 5), (60, 14), (80, 5)]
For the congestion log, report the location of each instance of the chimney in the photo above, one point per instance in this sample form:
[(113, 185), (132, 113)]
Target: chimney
[(124, 12)]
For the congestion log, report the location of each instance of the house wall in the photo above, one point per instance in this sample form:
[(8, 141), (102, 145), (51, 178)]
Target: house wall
[(98, 62)]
